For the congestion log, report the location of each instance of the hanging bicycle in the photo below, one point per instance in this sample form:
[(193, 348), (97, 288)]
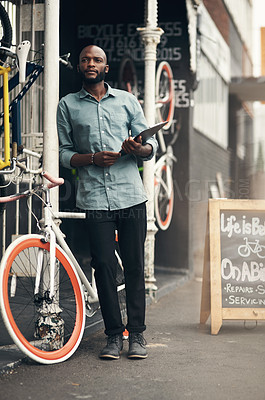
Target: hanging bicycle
[(165, 108)]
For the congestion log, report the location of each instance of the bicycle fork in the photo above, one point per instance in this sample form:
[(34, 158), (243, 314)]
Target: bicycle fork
[(50, 236), (49, 326)]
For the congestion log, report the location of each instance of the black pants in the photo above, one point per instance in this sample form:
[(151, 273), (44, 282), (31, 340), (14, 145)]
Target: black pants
[(131, 226)]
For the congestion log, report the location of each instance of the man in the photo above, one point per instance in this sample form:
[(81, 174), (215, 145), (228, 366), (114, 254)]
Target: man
[(94, 124)]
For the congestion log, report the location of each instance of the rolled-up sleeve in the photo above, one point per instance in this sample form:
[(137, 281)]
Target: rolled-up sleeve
[(153, 142), (65, 134)]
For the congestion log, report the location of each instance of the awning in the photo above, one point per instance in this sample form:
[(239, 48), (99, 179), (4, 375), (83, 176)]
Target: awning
[(248, 89)]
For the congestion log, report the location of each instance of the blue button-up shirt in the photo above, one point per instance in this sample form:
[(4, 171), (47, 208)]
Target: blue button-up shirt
[(88, 126)]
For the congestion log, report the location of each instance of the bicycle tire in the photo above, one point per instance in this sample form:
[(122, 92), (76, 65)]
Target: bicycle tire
[(2, 193), (36, 333), (163, 204), (5, 31), (164, 92), (127, 76)]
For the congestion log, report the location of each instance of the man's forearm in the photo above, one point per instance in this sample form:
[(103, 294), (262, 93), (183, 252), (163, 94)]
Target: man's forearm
[(145, 150), (81, 160)]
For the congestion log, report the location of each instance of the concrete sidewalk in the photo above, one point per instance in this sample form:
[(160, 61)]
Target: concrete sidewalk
[(184, 361), (11, 356)]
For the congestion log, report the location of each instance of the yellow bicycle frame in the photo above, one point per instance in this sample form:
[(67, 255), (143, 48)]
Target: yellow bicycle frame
[(6, 162)]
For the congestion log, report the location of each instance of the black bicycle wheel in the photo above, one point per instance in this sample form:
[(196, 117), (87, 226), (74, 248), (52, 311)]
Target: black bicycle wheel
[(128, 76), (5, 31), (2, 193)]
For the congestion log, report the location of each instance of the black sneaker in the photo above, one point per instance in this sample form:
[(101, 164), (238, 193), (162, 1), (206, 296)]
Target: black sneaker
[(137, 345), (113, 348)]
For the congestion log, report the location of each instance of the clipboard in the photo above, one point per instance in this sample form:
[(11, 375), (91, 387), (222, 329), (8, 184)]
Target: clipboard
[(149, 132)]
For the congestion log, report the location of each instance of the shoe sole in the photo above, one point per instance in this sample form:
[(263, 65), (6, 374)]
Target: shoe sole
[(137, 356), (109, 357)]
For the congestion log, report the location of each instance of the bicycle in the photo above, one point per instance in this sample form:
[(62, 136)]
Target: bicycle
[(165, 107), (11, 113), (251, 247), (18, 61), (34, 266), (45, 295)]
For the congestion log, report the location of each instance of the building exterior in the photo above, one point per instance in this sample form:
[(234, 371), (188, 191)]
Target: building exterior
[(207, 45)]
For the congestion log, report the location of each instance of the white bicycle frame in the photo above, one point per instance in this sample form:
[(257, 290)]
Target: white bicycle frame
[(51, 227), (167, 159), (91, 295), (53, 234)]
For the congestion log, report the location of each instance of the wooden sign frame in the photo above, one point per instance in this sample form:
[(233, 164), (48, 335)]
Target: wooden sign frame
[(211, 298)]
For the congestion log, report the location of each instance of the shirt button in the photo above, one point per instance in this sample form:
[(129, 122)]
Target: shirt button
[(104, 145), (107, 188), (100, 117), (107, 174), (102, 131)]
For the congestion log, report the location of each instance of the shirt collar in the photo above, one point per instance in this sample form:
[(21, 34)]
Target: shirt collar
[(110, 92)]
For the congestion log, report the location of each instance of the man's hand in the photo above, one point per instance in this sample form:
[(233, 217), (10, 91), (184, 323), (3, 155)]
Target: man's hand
[(135, 147), (106, 158), (132, 146)]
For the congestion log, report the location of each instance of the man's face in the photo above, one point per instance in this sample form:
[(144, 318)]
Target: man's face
[(92, 65)]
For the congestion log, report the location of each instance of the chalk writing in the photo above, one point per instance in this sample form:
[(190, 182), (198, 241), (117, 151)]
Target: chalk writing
[(124, 39), (232, 226), (242, 254), (250, 272)]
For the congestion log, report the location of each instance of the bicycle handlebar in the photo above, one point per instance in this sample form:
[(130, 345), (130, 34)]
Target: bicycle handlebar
[(53, 183), (7, 52), (14, 197)]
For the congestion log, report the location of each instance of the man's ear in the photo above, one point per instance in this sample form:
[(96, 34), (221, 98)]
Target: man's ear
[(106, 69), (78, 69)]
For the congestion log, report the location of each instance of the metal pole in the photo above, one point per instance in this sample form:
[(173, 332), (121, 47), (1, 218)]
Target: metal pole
[(51, 93), (49, 318), (150, 35)]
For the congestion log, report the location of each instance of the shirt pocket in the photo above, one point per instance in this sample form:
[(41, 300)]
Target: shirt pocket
[(119, 123), (86, 136)]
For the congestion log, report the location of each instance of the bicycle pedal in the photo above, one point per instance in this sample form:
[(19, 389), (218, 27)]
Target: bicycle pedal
[(91, 310)]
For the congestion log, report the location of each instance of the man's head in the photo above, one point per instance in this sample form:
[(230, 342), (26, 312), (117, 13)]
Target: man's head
[(92, 65)]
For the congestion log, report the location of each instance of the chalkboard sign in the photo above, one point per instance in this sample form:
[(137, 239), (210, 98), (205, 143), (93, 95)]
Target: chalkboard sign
[(234, 262), (243, 258)]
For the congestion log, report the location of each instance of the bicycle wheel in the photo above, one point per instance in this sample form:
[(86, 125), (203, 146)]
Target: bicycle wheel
[(120, 280), (165, 101), (2, 193), (128, 76), (244, 250), (48, 331), (164, 196), (5, 30)]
